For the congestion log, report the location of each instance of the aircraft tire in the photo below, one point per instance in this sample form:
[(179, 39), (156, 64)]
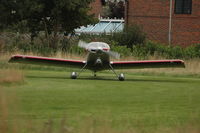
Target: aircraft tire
[(73, 75), (121, 77)]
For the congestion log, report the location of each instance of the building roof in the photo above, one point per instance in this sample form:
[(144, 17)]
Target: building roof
[(106, 26)]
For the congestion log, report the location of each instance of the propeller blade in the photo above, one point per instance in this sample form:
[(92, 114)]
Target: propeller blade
[(114, 54), (83, 44)]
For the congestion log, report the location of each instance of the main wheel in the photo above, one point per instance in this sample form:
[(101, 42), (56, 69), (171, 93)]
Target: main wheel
[(74, 75), (121, 77)]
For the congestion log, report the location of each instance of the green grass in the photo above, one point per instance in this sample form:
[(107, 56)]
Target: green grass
[(142, 102)]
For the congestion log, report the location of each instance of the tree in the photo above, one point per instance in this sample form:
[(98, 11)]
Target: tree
[(51, 16), (114, 9), (7, 9)]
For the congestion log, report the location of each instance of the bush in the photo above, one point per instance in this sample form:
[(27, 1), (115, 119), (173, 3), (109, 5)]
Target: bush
[(193, 51), (129, 37), (165, 51), (152, 48), (13, 42), (122, 50), (74, 49), (99, 38)]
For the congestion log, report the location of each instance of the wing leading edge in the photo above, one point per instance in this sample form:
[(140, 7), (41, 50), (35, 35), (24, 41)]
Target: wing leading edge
[(37, 60), (147, 64)]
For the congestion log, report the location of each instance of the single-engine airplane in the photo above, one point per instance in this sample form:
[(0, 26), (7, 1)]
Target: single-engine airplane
[(98, 59)]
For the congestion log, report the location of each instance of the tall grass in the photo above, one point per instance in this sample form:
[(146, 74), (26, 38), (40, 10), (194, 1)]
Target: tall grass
[(8, 106), (3, 112), (11, 76)]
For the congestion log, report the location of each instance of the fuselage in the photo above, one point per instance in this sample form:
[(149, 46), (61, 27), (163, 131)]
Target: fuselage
[(98, 56), (97, 61)]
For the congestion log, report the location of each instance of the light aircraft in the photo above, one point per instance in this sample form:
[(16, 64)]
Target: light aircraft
[(98, 59)]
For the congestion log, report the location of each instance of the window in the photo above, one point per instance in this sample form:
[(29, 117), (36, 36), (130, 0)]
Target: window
[(183, 6)]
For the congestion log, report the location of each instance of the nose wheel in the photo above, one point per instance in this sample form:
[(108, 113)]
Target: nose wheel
[(74, 75)]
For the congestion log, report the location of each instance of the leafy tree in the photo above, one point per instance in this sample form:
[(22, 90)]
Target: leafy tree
[(7, 9), (114, 9), (51, 16)]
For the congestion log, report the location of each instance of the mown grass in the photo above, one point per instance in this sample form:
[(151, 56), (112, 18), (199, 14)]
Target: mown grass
[(140, 104), (147, 102)]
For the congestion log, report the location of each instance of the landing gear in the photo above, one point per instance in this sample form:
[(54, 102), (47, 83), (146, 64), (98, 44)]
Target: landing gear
[(74, 75), (121, 77), (95, 75)]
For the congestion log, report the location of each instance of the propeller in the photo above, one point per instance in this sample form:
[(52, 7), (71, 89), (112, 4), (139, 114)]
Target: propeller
[(114, 54), (85, 45)]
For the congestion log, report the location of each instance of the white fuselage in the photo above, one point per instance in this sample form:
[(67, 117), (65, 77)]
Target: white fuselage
[(98, 57)]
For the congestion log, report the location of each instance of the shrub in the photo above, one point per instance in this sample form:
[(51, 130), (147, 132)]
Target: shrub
[(130, 36), (193, 51), (152, 48), (12, 42), (122, 50), (93, 37), (74, 49), (163, 50)]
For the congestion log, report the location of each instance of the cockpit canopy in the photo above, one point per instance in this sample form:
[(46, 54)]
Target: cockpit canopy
[(93, 46)]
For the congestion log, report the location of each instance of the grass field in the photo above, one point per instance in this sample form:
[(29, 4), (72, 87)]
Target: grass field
[(42, 100)]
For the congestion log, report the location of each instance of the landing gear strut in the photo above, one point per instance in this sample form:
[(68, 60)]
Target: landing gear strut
[(121, 76), (74, 75), (95, 74)]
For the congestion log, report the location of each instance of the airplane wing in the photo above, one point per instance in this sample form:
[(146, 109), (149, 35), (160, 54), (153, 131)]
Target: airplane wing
[(46, 61), (147, 64)]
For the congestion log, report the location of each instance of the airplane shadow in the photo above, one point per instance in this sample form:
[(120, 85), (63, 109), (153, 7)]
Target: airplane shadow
[(110, 78), (132, 79)]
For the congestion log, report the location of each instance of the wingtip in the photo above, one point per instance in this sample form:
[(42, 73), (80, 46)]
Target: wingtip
[(183, 63), (13, 57)]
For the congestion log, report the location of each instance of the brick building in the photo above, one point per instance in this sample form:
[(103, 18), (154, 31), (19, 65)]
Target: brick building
[(96, 7), (154, 17)]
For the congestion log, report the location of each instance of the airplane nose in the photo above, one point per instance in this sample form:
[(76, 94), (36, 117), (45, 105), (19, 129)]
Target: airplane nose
[(98, 61)]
